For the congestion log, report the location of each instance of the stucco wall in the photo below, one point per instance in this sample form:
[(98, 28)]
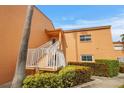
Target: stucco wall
[(11, 26), (71, 46), (100, 46), (118, 53), (40, 22)]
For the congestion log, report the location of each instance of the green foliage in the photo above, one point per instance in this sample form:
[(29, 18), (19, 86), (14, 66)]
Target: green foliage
[(67, 77), (121, 70), (107, 68), (74, 75), (122, 37), (40, 80), (112, 66), (97, 69)]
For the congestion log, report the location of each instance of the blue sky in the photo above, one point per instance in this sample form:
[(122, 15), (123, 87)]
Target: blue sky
[(73, 17)]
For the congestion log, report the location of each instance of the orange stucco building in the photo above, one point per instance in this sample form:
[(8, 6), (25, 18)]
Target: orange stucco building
[(85, 44), (95, 42), (11, 25)]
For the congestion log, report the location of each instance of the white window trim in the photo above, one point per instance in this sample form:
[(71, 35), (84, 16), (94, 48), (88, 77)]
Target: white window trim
[(85, 38), (93, 59)]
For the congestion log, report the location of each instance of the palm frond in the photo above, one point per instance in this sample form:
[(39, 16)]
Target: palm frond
[(122, 37)]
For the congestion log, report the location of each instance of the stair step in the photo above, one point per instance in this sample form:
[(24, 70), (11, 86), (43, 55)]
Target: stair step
[(49, 69), (44, 68)]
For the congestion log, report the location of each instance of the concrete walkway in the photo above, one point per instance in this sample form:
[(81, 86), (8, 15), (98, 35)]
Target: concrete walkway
[(104, 82), (6, 85)]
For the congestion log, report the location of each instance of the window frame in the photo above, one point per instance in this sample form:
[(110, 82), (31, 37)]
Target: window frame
[(119, 47), (85, 38), (86, 58)]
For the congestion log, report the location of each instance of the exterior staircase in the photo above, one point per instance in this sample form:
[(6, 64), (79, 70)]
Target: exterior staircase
[(47, 57)]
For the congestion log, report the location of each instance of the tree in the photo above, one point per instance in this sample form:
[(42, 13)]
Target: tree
[(21, 60), (122, 37)]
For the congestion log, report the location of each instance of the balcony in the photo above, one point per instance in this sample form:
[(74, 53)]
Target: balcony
[(47, 57)]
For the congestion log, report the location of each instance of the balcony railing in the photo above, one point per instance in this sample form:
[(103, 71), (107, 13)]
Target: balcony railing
[(34, 54), (46, 56)]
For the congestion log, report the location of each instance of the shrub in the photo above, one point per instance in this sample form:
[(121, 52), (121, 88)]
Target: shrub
[(121, 70), (113, 66), (74, 75), (97, 69), (46, 80), (107, 68), (67, 77)]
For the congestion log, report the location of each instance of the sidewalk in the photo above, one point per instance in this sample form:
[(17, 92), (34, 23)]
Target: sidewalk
[(6, 85), (104, 82)]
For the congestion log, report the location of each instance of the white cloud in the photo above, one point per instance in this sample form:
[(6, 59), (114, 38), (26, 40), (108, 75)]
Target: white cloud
[(68, 18), (116, 21)]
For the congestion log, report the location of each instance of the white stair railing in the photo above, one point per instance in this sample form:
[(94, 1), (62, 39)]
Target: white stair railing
[(61, 59), (55, 56), (51, 51), (35, 54), (46, 56)]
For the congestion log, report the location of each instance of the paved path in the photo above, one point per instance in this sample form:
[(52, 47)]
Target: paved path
[(6, 85), (104, 82)]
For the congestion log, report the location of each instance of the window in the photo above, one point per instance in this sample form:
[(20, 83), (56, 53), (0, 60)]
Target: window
[(119, 47), (86, 58), (85, 38)]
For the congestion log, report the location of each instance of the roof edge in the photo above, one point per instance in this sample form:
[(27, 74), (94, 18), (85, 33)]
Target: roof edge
[(88, 29), (118, 42)]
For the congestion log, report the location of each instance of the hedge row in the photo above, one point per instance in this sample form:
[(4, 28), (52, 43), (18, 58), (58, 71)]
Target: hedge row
[(107, 68), (67, 77), (121, 70), (113, 66), (97, 69)]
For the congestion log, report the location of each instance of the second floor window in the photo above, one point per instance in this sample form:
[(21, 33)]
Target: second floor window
[(85, 37)]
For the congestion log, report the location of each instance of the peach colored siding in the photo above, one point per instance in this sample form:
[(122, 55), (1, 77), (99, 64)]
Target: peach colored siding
[(11, 26), (39, 23), (71, 47), (100, 46)]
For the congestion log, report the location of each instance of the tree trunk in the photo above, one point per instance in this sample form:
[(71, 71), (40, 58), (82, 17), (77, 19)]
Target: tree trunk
[(21, 61)]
